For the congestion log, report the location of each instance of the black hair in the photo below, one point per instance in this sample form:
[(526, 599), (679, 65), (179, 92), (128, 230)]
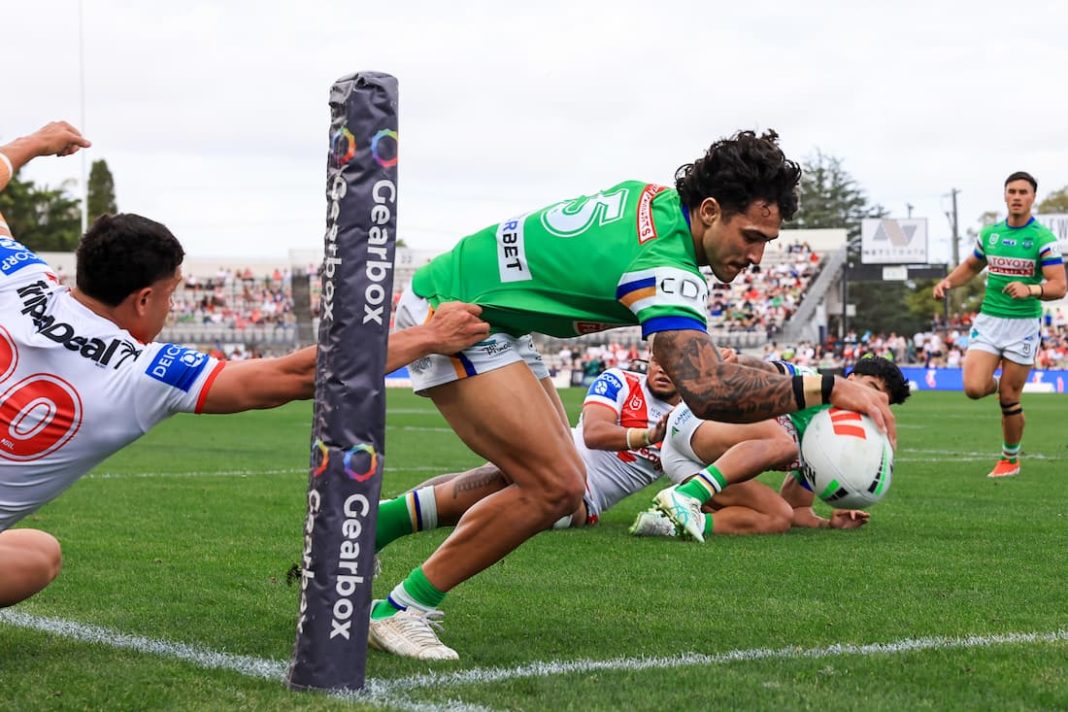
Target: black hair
[(123, 253), (897, 388), (738, 170), (1023, 175)]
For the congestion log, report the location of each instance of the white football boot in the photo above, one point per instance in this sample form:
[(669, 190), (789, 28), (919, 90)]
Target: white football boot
[(652, 522), (684, 512), (410, 634)]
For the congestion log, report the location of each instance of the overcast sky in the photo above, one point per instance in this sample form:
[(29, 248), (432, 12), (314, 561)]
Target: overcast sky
[(213, 115)]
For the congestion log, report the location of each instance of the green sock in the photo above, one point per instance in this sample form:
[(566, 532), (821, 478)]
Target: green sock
[(415, 511), (416, 591), (1010, 452), (393, 522), (708, 525), (705, 485)]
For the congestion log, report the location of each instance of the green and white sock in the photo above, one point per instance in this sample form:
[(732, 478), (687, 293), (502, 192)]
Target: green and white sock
[(416, 592), (412, 512), (708, 526), (705, 485), (1010, 452)]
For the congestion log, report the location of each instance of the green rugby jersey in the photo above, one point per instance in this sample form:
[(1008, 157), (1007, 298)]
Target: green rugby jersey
[(1014, 254), (622, 256)]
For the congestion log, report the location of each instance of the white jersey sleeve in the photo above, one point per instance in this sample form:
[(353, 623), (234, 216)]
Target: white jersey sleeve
[(676, 453), (610, 390), (173, 379)]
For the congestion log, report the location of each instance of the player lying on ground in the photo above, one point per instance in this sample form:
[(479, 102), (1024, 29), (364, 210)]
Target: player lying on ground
[(1024, 268), (697, 452), (82, 377), (622, 412), (629, 254)]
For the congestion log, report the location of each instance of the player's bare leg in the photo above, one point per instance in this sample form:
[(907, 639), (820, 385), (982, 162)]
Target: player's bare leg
[(738, 453), (509, 418), (750, 508), (979, 367), (1013, 378), (29, 560)]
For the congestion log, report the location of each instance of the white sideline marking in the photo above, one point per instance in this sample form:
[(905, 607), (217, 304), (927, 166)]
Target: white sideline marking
[(384, 691), (547, 669), (203, 657), (244, 473), (273, 670)]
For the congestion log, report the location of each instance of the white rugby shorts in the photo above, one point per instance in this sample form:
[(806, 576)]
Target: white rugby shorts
[(676, 454), (493, 352), (1014, 339)]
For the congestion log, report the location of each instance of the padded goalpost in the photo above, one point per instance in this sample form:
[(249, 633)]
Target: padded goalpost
[(348, 426)]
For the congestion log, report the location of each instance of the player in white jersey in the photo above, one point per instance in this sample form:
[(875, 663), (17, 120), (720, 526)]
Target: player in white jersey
[(80, 375), (618, 435), (695, 450)]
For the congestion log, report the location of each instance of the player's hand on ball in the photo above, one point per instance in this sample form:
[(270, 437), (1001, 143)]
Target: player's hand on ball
[(58, 138), (861, 399), (455, 326), (1017, 290), (849, 518), (941, 288)]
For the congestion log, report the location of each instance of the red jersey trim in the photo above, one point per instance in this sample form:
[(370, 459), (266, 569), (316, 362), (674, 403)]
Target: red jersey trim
[(207, 386)]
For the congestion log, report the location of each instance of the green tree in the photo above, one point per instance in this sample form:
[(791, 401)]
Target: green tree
[(44, 219), (831, 198), (101, 191), (1055, 202)]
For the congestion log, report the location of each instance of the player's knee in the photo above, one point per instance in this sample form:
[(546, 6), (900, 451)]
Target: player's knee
[(562, 494), (976, 392), (34, 561), (782, 517), (784, 452)]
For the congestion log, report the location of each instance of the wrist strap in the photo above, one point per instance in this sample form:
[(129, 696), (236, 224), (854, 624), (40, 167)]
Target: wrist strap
[(798, 383), (826, 387)]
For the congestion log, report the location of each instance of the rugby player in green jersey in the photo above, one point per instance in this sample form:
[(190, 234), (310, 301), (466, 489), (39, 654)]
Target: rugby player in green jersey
[(695, 452), (630, 254), (1024, 267)]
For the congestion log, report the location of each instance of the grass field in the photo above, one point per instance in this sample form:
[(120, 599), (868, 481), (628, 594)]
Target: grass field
[(954, 597)]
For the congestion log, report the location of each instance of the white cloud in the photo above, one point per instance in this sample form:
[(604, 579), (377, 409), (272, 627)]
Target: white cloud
[(213, 116)]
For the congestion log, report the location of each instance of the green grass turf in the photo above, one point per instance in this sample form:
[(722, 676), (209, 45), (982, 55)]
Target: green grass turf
[(202, 559)]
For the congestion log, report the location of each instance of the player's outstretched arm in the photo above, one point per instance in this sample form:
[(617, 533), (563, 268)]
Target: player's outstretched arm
[(805, 517), (57, 138), (454, 327), (267, 383), (717, 390)]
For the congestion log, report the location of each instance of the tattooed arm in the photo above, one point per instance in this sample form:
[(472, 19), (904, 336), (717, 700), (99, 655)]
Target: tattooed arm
[(717, 390)]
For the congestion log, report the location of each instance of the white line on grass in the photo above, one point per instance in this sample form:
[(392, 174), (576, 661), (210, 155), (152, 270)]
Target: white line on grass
[(481, 676), (386, 691), (273, 670), (202, 657), (245, 473)]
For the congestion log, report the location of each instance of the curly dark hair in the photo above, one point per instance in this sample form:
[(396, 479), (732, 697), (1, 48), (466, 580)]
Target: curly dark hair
[(896, 385), (123, 253), (738, 170)]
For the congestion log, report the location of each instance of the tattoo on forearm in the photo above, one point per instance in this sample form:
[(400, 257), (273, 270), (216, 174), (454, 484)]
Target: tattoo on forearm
[(482, 477), (715, 390)]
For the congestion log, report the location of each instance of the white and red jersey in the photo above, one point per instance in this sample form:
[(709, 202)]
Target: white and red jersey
[(610, 475), (74, 386)]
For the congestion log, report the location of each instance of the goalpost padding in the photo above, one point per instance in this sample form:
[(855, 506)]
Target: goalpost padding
[(348, 428)]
